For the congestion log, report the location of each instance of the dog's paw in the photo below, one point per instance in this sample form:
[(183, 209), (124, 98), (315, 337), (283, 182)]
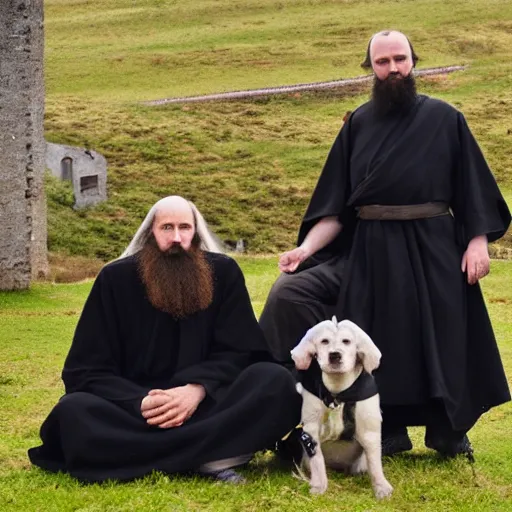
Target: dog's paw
[(383, 490), (318, 489)]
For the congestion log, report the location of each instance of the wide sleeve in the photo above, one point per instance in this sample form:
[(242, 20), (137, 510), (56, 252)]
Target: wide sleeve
[(478, 205), (92, 364), (237, 339), (332, 189)]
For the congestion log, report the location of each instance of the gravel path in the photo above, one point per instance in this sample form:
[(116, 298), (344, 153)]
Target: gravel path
[(315, 86)]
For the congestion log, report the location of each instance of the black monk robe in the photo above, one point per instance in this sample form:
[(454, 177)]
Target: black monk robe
[(402, 280), (123, 347)]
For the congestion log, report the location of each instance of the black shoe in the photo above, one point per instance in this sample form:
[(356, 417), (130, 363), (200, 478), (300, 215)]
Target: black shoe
[(224, 475), (451, 448), (398, 443)]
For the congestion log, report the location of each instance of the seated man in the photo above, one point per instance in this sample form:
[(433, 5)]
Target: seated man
[(160, 374)]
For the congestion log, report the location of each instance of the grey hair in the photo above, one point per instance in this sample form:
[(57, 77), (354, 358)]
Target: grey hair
[(209, 242)]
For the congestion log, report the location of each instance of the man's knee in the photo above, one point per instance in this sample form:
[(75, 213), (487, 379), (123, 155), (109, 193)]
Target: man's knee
[(284, 289), (278, 389), (272, 376), (77, 400)]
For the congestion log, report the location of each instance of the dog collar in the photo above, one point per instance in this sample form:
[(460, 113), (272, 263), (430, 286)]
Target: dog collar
[(363, 387)]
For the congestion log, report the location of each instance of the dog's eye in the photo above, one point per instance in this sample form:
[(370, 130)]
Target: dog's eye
[(346, 341), (324, 341)]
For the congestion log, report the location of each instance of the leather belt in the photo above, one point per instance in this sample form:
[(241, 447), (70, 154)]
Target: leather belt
[(402, 212)]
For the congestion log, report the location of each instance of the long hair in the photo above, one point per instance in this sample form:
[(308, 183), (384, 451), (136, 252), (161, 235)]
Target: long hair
[(209, 242)]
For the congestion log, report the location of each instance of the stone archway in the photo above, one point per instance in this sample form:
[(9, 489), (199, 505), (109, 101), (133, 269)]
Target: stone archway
[(23, 235)]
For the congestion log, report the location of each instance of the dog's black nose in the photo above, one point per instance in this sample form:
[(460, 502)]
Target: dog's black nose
[(334, 357)]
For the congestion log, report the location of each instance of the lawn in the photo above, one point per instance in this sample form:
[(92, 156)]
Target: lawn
[(36, 327), (250, 166)]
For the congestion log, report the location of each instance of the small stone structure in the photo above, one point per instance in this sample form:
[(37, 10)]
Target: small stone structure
[(86, 169)]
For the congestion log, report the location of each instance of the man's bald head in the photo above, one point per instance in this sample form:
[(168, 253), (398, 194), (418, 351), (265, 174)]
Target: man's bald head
[(176, 204), (388, 41)]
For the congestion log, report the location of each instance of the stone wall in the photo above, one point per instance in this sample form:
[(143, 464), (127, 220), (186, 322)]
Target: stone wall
[(23, 252)]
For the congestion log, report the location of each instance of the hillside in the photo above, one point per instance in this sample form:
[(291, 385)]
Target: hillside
[(249, 165)]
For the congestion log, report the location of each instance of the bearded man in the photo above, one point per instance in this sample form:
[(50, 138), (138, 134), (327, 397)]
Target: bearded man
[(395, 239), (167, 367)]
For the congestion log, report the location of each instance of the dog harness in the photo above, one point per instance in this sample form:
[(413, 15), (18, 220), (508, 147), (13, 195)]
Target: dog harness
[(363, 387)]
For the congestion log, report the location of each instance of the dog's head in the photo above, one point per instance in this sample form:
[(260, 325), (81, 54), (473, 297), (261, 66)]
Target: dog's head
[(338, 347)]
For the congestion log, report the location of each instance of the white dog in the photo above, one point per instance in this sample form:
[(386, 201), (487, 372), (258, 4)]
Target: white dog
[(341, 403)]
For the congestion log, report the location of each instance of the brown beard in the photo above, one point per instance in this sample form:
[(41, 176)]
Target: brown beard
[(394, 95), (177, 281)]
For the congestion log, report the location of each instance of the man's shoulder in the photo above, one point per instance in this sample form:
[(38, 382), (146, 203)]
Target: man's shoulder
[(438, 105), (225, 268), (361, 111), (122, 266), (220, 260), (434, 104)]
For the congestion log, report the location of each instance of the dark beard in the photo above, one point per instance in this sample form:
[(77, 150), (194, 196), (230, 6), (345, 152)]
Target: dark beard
[(177, 282), (394, 95)]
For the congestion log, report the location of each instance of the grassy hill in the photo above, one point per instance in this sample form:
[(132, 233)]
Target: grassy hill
[(249, 165)]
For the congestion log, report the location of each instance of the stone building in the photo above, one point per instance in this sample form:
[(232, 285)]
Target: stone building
[(86, 169)]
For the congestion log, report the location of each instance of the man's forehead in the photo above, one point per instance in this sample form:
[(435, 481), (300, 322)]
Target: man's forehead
[(394, 43), (176, 208)]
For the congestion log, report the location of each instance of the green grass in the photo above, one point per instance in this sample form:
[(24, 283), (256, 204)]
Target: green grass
[(36, 328), (249, 165), (125, 50)]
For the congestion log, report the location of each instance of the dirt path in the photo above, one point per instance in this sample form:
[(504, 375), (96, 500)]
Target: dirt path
[(315, 86)]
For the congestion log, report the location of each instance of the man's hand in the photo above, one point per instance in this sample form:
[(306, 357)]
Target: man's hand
[(321, 234), (476, 259), (168, 408), (289, 261)]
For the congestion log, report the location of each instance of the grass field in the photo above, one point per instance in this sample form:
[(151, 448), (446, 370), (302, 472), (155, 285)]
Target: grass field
[(249, 165), (36, 327)]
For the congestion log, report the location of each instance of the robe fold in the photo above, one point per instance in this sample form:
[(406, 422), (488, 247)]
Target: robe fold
[(402, 281), (123, 347)]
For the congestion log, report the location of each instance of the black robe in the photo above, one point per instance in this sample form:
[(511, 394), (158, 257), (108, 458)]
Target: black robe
[(402, 281), (123, 347)]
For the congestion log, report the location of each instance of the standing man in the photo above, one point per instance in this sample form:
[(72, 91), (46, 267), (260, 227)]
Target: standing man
[(395, 239), (165, 371)]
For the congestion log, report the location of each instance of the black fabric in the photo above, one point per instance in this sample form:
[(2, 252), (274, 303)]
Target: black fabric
[(363, 387), (401, 280), (298, 301), (349, 422), (123, 347)]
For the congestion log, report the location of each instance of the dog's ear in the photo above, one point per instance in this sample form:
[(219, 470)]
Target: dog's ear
[(303, 353), (366, 350)]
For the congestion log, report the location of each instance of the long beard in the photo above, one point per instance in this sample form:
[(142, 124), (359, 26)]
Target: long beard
[(394, 95), (177, 282)]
